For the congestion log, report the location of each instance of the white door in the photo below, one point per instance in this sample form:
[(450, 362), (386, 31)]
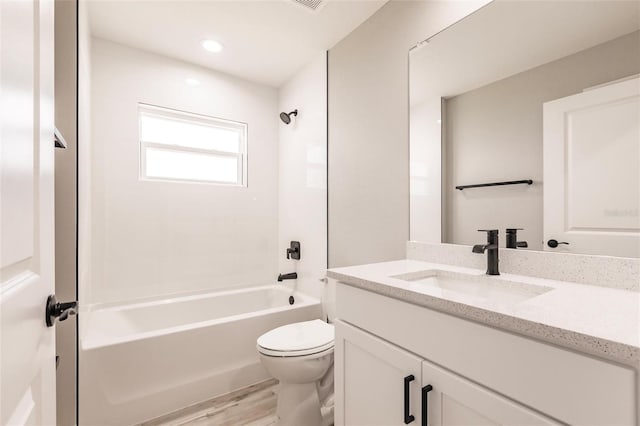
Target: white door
[(592, 171), (454, 401), (370, 384), (27, 345)]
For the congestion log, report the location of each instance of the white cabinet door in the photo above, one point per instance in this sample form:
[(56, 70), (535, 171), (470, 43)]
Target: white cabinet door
[(592, 171), (454, 401), (370, 381), (27, 346)]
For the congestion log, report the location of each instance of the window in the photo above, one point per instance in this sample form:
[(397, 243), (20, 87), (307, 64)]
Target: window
[(181, 146)]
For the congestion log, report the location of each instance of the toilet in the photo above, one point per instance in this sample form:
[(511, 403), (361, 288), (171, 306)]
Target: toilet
[(300, 356)]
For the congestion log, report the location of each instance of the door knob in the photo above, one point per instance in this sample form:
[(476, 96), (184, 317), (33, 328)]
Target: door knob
[(555, 243), (60, 310)]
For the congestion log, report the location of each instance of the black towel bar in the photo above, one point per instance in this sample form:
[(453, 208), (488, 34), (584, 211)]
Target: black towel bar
[(510, 182)]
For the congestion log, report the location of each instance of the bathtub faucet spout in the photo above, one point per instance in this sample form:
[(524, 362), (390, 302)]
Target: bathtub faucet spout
[(291, 276)]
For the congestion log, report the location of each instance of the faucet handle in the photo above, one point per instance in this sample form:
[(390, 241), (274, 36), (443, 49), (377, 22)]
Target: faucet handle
[(293, 252), (489, 231), (512, 239)]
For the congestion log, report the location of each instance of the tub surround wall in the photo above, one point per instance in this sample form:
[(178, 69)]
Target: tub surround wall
[(369, 132), (302, 180), (150, 237), (606, 271)]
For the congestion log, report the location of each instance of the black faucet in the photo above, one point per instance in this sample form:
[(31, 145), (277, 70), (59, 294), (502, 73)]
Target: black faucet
[(290, 276), (492, 250), (512, 239)]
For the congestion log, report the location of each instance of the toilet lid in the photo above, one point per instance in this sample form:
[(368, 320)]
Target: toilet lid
[(297, 337)]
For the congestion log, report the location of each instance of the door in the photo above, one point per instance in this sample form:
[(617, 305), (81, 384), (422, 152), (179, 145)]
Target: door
[(592, 171), (454, 401), (27, 345), (380, 381)]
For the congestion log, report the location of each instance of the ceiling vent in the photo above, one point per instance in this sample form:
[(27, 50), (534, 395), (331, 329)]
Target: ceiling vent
[(311, 5)]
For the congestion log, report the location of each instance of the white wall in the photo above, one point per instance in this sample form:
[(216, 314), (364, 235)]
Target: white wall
[(84, 155), (302, 196), (369, 129), (65, 206), (425, 169), (154, 238), (84, 168)]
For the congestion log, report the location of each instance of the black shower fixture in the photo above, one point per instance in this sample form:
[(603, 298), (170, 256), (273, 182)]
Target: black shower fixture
[(286, 118)]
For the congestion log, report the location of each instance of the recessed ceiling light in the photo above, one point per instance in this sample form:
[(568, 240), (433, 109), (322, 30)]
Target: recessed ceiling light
[(211, 46), (192, 82)]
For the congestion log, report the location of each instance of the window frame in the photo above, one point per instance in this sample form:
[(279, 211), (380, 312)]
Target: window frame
[(189, 117)]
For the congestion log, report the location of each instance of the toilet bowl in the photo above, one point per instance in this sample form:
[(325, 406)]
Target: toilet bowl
[(300, 356)]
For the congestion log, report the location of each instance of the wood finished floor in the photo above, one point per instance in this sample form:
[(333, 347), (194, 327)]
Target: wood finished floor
[(254, 405)]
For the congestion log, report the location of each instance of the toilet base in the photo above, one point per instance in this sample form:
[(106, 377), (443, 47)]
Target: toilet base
[(305, 393), (298, 404)]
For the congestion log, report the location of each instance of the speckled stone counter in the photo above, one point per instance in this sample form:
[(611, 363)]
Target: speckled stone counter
[(603, 271), (596, 320)]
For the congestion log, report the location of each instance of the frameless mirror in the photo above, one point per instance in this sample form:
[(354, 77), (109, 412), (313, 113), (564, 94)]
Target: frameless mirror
[(527, 115)]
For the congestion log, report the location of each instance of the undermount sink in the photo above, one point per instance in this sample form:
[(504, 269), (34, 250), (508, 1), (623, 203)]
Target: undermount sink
[(478, 286)]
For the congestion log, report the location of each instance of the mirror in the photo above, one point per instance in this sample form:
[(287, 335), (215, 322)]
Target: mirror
[(526, 115)]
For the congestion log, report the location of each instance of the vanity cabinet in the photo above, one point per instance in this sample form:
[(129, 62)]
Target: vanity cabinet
[(387, 386), (372, 374), (454, 400), (478, 374)]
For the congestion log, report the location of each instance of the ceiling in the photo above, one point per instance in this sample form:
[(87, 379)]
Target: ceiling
[(264, 41), (508, 37)]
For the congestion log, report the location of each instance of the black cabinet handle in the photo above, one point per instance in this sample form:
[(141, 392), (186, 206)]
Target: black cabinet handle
[(425, 411), (408, 418), (555, 243)]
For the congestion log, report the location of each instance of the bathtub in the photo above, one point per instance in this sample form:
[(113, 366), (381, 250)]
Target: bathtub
[(142, 360)]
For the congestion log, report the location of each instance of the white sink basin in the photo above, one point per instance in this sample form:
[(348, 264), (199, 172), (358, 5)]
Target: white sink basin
[(476, 286)]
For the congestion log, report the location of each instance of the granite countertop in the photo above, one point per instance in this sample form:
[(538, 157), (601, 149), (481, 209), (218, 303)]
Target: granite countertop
[(599, 321)]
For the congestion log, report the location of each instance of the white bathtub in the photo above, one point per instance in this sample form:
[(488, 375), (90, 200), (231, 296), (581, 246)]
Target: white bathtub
[(139, 361)]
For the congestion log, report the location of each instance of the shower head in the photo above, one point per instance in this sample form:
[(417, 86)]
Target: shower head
[(286, 118)]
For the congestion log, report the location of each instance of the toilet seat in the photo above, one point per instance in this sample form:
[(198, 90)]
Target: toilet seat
[(297, 339), (293, 354)]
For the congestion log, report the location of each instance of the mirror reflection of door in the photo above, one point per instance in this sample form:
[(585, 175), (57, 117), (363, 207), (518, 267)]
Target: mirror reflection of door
[(477, 94), (592, 170)]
